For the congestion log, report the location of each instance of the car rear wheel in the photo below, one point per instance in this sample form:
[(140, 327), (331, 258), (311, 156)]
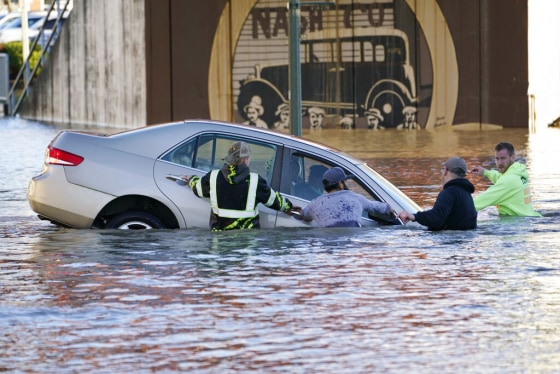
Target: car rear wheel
[(135, 220)]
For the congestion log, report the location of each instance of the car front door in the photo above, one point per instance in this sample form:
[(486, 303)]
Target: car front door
[(203, 153)]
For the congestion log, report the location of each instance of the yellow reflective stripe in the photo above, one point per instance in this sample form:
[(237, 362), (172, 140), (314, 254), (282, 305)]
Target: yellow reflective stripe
[(198, 186), (271, 198), (243, 224), (284, 206), (195, 184), (213, 195), (250, 211), (230, 213), (252, 194)]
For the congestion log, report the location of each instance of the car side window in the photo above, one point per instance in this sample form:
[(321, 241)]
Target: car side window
[(206, 152), (306, 176), (353, 185), (212, 148), (183, 154)]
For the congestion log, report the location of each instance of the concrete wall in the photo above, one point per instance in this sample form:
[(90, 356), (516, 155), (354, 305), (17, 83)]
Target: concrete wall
[(96, 72), (180, 35)]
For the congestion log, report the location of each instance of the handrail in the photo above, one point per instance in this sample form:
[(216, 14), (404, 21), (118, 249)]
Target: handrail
[(14, 102)]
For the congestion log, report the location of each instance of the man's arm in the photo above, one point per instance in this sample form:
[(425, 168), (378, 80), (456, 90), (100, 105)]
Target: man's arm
[(494, 195), (302, 214), (374, 207), (491, 175), (199, 185), (272, 199), (436, 217)]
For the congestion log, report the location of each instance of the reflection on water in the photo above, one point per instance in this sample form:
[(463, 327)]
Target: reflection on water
[(309, 300)]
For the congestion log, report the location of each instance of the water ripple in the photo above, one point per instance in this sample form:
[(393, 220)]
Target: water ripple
[(387, 299)]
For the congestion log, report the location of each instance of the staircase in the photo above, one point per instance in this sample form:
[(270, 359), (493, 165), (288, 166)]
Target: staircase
[(22, 83)]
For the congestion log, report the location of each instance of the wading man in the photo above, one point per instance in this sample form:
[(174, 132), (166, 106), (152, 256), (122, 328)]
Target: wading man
[(454, 207), (510, 191)]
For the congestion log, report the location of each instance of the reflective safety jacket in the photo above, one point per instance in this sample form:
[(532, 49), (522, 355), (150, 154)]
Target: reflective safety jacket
[(510, 192), (234, 193)]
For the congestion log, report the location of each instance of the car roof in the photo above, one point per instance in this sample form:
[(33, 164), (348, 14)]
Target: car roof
[(165, 136)]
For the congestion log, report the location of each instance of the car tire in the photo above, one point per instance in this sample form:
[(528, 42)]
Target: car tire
[(135, 220)]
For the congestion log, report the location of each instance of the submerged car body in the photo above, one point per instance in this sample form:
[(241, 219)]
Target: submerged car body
[(123, 180)]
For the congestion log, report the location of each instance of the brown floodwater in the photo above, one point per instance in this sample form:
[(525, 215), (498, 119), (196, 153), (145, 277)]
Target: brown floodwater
[(387, 299)]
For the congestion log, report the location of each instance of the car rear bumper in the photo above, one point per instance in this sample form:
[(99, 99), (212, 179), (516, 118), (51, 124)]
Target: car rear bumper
[(52, 197)]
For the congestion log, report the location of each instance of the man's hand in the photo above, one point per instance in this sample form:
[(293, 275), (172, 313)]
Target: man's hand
[(183, 180), (478, 170), (405, 216), (295, 212)]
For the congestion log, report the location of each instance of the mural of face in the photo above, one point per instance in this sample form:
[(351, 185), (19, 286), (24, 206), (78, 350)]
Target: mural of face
[(409, 118), (252, 114), (316, 120), (316, 117), (254, 110), (347, 123), (372, 122), (283, 123), (374, 119), (409, 122), (284, 117)]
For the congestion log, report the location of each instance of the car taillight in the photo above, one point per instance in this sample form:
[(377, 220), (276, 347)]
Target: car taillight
[(55, 156)]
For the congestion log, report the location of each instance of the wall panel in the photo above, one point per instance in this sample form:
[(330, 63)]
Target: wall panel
[(96, 71)]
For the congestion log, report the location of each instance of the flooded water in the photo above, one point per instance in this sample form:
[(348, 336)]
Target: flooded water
[(389, 299)]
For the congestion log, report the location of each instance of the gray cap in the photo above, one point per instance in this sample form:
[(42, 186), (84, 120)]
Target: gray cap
[(236, 152), (334, 176), (457, 166)]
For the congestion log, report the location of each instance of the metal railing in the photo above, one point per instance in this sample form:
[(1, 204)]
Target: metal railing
[(22, 83)]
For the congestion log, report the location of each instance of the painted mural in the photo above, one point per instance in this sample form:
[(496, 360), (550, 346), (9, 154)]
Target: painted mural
[(361, 67)]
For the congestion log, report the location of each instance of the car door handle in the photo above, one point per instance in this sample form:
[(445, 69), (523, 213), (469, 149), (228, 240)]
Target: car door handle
[(177, 179)]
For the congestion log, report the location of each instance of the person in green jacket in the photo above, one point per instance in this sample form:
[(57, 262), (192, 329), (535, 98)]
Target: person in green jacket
[(510, 190)]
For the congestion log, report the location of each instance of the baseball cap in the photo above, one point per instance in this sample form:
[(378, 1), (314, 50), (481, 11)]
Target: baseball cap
[(333, 176), (457, 166), (237, 151)]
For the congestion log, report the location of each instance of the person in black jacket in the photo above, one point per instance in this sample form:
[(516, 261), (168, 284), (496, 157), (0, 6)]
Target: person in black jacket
[(234, 192), (454, 208)]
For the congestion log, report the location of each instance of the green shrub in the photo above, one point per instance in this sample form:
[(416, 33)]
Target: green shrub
[(14, 51)]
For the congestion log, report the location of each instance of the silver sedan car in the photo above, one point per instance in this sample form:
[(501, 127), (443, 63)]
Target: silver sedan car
[(126, 180)]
